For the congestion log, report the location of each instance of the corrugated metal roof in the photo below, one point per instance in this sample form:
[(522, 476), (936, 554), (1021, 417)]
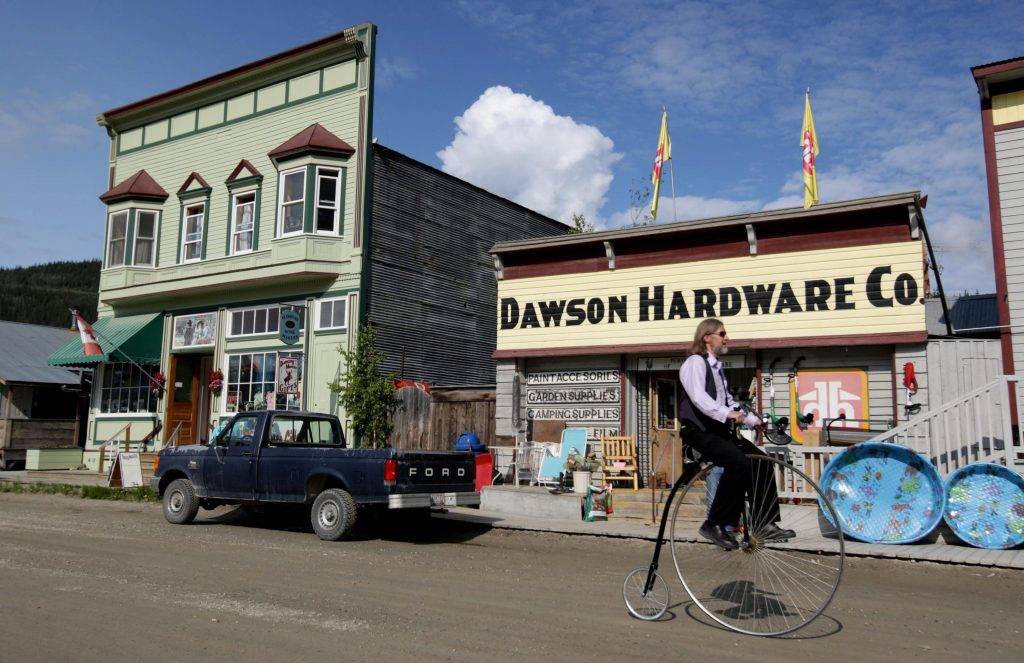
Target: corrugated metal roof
[(969, 314), (24, 349), (875, 202), (137, 336)]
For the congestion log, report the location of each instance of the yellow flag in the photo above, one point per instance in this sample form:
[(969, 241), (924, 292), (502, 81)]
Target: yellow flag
[(664, 154), (809, 143)]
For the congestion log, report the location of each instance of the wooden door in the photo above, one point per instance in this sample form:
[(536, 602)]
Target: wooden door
[(666, 442), (182, 396)]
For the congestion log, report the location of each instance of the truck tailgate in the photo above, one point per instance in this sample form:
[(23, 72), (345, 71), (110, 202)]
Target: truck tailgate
[(434, 478)]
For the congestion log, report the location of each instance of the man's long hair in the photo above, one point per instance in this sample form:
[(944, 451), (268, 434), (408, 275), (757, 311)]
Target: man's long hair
[(706, 326)]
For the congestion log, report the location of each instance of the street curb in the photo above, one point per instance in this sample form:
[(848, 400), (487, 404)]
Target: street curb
[(977, 557)]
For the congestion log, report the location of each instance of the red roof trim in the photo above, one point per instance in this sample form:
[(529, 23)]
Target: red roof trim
[(140, 185), (983, 70), (193, 177), (313, 138), (244, 163), (231, 73)]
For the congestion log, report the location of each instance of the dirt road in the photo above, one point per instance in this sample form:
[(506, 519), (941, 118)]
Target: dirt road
[(91, 580)]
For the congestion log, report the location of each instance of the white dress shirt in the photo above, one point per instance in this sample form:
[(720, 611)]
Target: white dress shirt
[(693, 373)]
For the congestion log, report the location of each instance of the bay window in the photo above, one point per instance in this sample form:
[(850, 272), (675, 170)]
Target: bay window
[(292, 202), (327, 194), (117, 235), (144, 251)]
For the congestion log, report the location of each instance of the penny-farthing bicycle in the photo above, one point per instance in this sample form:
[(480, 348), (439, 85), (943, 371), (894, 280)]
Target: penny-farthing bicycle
[(767, 587)]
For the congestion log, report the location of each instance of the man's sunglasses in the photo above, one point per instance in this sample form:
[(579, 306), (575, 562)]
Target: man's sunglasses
[(722, 333)]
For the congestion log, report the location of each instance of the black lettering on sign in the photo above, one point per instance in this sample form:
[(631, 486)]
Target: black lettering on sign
[(575, 312), (509, 313), (617, 308), (657, 302), (787, 300), (729, 301), (530, 317), (704, 303), (595, 310), (816, 294), (874, 287), (678, 308), (906, 289), (843, 294), (551, 312), (759, 298)]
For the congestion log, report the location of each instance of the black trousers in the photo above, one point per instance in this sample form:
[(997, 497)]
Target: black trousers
[(740, 477)]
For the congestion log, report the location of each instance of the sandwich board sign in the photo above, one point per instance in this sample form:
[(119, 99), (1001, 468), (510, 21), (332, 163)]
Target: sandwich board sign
[(126, 471)]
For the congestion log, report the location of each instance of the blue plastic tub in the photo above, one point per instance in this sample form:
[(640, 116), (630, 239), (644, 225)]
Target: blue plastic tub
[(985, 505), (884, 493)]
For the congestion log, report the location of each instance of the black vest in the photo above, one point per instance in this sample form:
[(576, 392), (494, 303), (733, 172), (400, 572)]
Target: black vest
[(691, 414)]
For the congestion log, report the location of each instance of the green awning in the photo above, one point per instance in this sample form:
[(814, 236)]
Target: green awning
[(135, 336)]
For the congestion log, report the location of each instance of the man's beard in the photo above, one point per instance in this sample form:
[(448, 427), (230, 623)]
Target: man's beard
[(724, 350)]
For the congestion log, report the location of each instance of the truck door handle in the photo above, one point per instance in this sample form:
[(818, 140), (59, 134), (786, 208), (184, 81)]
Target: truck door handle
[(246, 453)]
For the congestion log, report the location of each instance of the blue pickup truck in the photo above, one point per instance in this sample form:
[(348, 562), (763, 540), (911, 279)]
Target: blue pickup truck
[(280, 457)]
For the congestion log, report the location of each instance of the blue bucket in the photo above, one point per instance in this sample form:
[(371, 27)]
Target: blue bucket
[(469, 442)]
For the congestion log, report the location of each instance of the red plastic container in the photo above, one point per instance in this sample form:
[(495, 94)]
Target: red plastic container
[(484, 470)]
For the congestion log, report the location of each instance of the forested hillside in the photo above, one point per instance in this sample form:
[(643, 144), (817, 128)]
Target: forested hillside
[(42, 294)]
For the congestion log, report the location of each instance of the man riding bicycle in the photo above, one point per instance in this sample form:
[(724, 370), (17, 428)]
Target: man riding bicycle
[(707, 410)]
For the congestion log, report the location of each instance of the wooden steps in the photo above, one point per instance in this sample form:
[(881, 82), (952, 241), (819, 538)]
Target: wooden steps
[(637, 504)]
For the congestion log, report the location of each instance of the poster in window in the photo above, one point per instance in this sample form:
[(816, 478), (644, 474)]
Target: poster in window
[(288, 378), (195, 331), (828, 393)]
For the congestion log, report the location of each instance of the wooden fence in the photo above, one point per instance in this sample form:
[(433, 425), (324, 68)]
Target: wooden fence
[(433, 419)]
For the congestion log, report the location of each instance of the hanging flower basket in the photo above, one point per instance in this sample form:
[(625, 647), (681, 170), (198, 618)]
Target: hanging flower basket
[(216, 383), (157, 384)]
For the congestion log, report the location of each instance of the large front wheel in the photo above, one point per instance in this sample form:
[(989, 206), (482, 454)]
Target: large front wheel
[(771, 585)]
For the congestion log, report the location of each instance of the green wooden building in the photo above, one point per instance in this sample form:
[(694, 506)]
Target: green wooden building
[(239, 199)]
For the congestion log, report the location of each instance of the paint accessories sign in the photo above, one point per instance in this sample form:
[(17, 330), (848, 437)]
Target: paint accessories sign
[(194, 331), (860, 290), (589, 398)]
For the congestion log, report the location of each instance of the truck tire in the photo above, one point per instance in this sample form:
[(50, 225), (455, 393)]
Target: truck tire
[(180, 502), (333, 514)]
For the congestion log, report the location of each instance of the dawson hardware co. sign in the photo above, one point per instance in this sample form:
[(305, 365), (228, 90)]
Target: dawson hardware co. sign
[(870, 291)]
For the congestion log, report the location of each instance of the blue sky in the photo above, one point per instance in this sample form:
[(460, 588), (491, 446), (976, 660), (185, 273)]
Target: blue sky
[(553, 104)]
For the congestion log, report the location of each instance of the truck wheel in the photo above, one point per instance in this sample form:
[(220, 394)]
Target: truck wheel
[(333, 514), (180, 502)]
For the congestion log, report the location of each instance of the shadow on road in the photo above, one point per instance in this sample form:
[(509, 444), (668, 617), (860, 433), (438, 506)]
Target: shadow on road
[(822, 627), (405, 527)]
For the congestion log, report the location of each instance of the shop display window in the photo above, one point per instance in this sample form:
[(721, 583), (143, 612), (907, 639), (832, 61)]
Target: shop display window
[(263, 380), (125, 389)]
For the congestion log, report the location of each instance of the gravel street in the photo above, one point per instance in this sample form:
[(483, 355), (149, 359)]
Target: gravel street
[(93, 580)]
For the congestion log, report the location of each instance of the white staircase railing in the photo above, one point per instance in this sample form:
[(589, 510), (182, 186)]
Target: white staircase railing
[(976, 426)]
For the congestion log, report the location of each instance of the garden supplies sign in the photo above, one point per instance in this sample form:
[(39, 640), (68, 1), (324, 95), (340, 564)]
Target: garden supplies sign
[(588, 398), (862, 290)]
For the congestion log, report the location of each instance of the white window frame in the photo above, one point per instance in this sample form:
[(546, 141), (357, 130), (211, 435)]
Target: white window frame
[(184, 231), (141, 389), (280, 202), (110, 238), (319, 312), (155, 238), (335, 230), (242, 310), (234, 220), (226, 368)]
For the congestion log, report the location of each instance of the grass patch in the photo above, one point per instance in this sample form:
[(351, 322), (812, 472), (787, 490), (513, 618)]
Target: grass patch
[(139, 494)]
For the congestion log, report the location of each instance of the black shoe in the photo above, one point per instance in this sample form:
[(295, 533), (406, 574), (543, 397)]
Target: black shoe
[(772, 532), (717, 535)]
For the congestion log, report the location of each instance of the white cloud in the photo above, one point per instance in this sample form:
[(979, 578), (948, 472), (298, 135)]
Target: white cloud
[(392, 70), (31, 119), (518, 147)]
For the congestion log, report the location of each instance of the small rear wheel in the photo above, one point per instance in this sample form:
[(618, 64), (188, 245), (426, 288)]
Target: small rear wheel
[(333, 514), (180, 502), (650, 605)]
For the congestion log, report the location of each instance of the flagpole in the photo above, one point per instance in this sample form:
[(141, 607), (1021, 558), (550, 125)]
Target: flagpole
[(671, 175)]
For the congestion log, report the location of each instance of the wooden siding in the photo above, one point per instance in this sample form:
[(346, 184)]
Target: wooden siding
[(434, 421), (505, 422), (215, 154), (947, 369), (1009, 148), (38, 433), (432, 289), (1007, 108)]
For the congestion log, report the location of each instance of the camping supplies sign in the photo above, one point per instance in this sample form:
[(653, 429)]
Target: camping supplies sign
[(861, 290), (590, 398)]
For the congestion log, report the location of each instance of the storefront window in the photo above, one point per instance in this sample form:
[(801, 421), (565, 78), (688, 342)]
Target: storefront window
[(125, 389), (264, 380)]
